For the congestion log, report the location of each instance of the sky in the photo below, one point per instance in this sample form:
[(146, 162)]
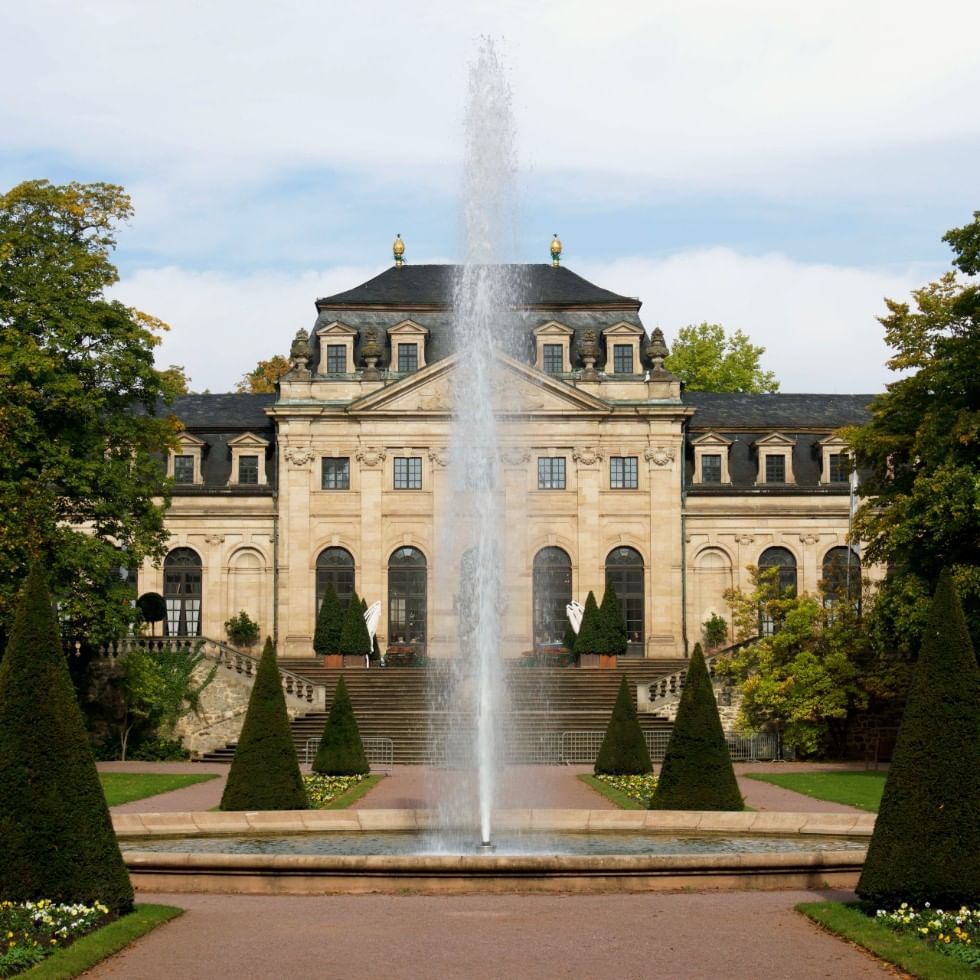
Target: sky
[(776, 167)]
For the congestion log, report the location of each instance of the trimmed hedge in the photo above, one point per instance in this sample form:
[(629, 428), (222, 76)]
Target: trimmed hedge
[(329, 623), (265, 772), (55, 828), (613, 622), (341, 751), (697, 772), (624, 750), (355, 641), (590, 638), (926, 842)]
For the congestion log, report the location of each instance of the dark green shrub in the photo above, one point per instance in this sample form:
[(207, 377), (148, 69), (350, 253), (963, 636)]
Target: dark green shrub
[(153, 609), (697, 772), (926, 842), (590, 634), (341, 752), (613, 622), (329, 623), (354, 638), (265, 772), (715, 631), (55, 829), (569, 639), (242, 630), (624, 750)]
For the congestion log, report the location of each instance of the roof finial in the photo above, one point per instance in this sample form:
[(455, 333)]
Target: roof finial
[(556, 251), (398, 250)]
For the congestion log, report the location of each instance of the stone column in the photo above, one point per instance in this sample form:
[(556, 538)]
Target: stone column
[(296, 576), (371, 563), (590, 575)]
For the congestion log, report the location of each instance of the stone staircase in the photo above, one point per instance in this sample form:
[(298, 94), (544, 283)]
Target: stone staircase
[(411, 706)]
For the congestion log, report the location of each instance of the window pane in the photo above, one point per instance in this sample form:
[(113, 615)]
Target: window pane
[(183, 469), (711, 468), (336, 567), (408, 472), (551, 473), (775, 469), (248, 469), (552, 591), (335, 474), (408, 358), (336, 358), (407, 598), (840, 467), (624, 571), (623, 472), (623, 358), (552, 358)]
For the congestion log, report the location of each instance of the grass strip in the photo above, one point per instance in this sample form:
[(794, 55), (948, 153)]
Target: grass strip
[(850, 787), (354, 793), (84, 953), (124, 787), (906, 952), (612, 794)]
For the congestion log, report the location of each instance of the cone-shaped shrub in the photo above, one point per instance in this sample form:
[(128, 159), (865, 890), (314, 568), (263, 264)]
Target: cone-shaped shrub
[(265, 771), (341, 752), (613, 622), (624, 750), (590, 638), (56, 837), (697, 772), (355, 641), (329, 623), (926, 842)]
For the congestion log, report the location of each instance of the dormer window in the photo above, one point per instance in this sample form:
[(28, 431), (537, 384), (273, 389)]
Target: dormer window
[(711, 459), (336, 359), (407, 346), (248, 470), (835, 459), (184, 462), (408, 358), (183, 469), (623, 348), (775, 459), (336, 348), (553, 348), (248, 460)]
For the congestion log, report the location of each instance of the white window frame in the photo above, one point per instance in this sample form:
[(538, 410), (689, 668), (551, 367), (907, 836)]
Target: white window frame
[(247, 444), (711, 444), (187, 445), (553, 332)]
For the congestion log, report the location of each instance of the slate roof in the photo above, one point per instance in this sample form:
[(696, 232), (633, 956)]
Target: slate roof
[(723, 412), (428, 286), (233, 410)]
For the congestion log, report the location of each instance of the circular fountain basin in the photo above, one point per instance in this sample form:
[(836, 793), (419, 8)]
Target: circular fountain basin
[(310, 852)]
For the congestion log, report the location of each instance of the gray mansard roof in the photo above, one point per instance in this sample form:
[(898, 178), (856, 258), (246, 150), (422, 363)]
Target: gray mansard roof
[(722, 411)]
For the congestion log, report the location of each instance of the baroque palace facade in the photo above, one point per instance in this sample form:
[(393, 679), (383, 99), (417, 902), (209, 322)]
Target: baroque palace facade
[(607, 471)]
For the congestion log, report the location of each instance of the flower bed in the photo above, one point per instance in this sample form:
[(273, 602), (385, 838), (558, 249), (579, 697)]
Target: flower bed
[(639, 788), (323, 790), (30, 931), (956, 934)]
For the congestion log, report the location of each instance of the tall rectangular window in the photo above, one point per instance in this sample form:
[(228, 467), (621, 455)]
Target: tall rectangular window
[(183, 469), (840, 467), (551, 472), (711, 468), (336, 359), (775, 468), (248, 470), (408, 358), (623, 473), (623, 358), (408, 472), (552, 358), (335, 473)]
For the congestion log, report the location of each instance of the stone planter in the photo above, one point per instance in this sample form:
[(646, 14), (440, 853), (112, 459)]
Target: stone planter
[(353, 661), (333, 661), (608, 661), (588, 660)]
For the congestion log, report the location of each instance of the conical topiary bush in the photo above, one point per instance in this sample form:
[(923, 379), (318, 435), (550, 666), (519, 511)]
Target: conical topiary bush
[(624, 750), (265, 772), (613, 622), (926, 841), (355, 641), (56, 837), (590, 637), (697, 771), (341, 751), (329, 623)]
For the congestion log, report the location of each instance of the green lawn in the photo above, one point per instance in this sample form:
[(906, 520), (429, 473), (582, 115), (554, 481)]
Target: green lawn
[(123, 787), (83, 954), (854, 788), (622, 800), (906, 952)]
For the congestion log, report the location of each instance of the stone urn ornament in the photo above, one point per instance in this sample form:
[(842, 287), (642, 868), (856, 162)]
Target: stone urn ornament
[(588, 351)]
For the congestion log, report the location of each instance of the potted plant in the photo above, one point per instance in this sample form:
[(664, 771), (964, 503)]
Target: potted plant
[(242, 630), (329, 626), (613, 625)]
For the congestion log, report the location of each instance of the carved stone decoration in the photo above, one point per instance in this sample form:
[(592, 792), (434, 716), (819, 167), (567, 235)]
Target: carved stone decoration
[(371, 352), (439, 457), (435, 400), (587, 456), (299, 357), (809, 538), (214, 538), (744, 538), (299, 455), (514, 456), (657, 350), (370, 457), (588, 351), (659, 455)]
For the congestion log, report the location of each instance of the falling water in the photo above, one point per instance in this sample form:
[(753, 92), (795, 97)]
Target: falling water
[(475, 540)]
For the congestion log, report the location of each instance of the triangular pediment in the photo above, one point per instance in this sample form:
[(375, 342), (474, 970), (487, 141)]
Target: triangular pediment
[(711, 439), (775, 439), (248, 440), (518, 389)]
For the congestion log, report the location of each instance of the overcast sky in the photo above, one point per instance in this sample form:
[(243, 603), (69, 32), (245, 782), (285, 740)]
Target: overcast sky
[(773, 166)]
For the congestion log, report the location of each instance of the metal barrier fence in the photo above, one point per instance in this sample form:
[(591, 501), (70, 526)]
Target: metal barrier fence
[(380, 752), (583, 747)]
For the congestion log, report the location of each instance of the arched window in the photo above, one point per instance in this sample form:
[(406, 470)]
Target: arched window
[(407, 598), (182, 592), (624, 571), (785, 584), (842, 576), (336, 567), (552, 593)]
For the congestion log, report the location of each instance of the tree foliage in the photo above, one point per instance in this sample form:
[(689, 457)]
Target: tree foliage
[(264, 376), (58, 841), (264, 773), (242, 630), (329, 623), (926, 842), (78, 403), (613, 622), (175, 381), (705, 358), (624, 750), (919, 455), (355, 641), (591, 637), (341, 751)]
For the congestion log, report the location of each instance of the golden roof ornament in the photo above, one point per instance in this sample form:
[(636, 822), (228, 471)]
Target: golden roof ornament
[(398, 250), (556, 251)]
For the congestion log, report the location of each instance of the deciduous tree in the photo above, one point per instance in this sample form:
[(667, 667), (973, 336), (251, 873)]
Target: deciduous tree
[(263, 377), (705, 358)]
